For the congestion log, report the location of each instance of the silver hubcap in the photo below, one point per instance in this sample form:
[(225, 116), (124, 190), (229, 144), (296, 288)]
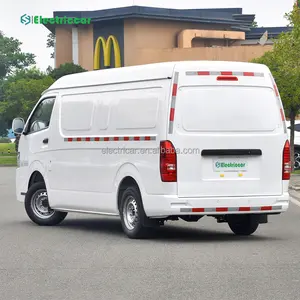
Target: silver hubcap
[(130, 213), (297, 161), (40, 205)]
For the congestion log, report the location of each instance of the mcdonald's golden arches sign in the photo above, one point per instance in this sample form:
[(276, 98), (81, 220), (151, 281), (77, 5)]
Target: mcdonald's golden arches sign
[(107, 46)]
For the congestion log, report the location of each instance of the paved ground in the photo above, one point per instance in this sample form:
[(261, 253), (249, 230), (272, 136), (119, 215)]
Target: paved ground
[(90, 258), (295, 187), (295, 181)]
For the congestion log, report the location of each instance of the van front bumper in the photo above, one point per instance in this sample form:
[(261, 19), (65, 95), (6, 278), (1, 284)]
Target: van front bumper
[(170, 205)]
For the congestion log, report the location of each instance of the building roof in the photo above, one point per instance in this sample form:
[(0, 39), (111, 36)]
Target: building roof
[(226, 16), (273, 32)]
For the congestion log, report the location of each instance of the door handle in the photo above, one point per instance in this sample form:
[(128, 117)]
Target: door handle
[(45, 141)]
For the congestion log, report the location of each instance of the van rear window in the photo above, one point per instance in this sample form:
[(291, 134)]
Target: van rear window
[(228, 109)]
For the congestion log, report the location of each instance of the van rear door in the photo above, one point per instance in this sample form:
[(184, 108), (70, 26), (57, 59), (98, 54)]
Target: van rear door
[(230, 136)]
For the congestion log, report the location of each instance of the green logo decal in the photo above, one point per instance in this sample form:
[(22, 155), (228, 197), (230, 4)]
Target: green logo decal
[(229, 165)]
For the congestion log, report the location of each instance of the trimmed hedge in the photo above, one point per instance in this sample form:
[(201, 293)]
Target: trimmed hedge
[(4, 140)]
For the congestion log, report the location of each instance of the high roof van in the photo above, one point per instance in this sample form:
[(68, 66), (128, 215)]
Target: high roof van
[(157, 142)]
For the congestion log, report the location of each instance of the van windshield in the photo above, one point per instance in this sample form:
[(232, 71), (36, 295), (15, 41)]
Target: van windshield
[(228, 109)]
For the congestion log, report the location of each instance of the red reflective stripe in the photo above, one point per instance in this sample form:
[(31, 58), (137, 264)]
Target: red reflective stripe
[(107, 139), (226, 73), (201, 73), (198, 210), (174, 91), (282, 114), (244, 208), (226, 209), (276, 90), (172, 113), (220, 209), (266, 208)]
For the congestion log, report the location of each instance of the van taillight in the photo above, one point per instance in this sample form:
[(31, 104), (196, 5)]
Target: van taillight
[(227, 78), (168, 162), (286, 162)]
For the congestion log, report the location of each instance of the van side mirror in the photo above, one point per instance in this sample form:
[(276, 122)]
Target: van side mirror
[(18, 125)]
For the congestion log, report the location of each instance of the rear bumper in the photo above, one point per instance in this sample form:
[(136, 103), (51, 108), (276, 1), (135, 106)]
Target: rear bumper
[(170, 205)]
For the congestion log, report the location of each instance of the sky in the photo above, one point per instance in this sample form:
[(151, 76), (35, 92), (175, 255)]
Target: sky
[(269, 13)]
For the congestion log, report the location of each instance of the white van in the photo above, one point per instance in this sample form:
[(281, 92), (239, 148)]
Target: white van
[(157, 142)]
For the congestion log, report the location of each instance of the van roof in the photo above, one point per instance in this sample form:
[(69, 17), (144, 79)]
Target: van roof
[(153, 71)]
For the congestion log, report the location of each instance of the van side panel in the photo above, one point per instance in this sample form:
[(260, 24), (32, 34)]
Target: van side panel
[(102, 132)]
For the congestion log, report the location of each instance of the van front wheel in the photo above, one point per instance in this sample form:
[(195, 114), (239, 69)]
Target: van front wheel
[(132, 214), (243, 224), (38, 209)]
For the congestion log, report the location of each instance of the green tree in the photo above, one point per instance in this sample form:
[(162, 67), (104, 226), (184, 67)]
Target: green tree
[(49, 70), (22, 90), (51, 42), (254, 24), (21, 95), (284, 63), (66, 69), (3, 127), (11, 56), (5, 86), (30, 73)]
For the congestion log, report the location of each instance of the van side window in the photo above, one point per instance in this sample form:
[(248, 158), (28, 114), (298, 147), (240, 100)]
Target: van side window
[(40, 119)]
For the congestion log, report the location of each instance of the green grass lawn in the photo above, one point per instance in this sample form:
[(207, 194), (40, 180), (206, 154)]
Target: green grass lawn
[(5, 148), (8, 160), (296, 172), (8, 154)]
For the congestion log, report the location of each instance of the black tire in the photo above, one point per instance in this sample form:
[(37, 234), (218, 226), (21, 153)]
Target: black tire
[(243, 224), (38, 192), (139, 228)]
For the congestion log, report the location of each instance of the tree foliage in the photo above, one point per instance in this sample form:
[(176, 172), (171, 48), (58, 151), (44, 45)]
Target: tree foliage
[(11, 56), (22, 90), (254, 24), (284, 63), (66, 69), (30, 73), (51, 42), (21, 87), (21, 95), (3, 127)]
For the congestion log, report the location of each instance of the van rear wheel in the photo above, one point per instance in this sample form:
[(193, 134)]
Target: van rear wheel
[(132, 214), (242, 224), (38, 209)]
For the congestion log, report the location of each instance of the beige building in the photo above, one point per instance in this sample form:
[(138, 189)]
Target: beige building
[(138, 35)]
